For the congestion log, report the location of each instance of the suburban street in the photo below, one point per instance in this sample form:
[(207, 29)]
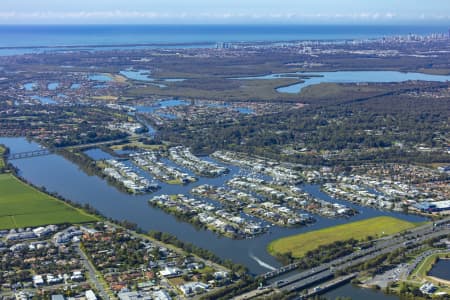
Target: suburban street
[(92, 274)]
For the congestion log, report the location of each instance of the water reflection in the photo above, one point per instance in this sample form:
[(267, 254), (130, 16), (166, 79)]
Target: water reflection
[(44, 100), (441, 269), (346, 77), (354, 292), (68, 180)]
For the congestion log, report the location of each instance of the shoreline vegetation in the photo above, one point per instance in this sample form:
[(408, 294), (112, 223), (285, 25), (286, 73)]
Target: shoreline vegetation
[(244, 282), (91, 167), (427, 264), (25, 206), (96, 216), (297, 246), (328, 127), (2, 154)]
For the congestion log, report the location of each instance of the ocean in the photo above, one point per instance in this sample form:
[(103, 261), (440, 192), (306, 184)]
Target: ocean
[(204, 35)]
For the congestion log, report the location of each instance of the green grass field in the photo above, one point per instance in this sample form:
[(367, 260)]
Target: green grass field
[(421, 272), (2, 162), (299, 244), (23, 206)]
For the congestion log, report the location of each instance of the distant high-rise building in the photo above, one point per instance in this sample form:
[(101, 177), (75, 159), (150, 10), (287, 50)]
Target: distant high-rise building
[(223, 45)]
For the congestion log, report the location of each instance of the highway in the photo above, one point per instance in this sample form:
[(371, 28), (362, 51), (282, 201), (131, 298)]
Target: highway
[(328, 285), (283, 280), (309, 281), (386, 245)]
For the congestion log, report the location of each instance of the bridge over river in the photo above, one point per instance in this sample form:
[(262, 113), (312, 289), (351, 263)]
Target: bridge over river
[(323, 277), (48, 151)]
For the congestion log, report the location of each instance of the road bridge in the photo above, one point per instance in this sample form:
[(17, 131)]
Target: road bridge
[(29, 154), (307, 278), (329, 285), (323, 276), (48, 151), (307, 282)]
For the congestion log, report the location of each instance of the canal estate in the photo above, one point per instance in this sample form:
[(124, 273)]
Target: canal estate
[(270, 169), (67, 180)]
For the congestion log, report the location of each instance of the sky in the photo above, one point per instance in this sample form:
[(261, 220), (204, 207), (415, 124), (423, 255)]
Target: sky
[(225, 12)]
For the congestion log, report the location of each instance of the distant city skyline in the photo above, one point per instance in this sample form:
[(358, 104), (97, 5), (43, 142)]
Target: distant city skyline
[(225, 12)]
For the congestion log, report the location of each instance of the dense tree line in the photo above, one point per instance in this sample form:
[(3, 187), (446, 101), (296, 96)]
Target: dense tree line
[(322, 254), (382, 128), (60, 126), (191, 248)]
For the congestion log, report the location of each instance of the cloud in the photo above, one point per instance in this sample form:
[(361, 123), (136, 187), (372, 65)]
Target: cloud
[(156, 16)]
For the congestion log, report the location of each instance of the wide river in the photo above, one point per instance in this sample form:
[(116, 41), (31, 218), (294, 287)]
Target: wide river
[(346, 77), (59, 175)]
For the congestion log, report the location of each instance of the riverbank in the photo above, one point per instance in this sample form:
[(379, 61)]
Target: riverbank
[(192, 264), (2, 161), (299, 245), (22, 198), (67, 179), (439, 280), (24, 206), (422, 272)]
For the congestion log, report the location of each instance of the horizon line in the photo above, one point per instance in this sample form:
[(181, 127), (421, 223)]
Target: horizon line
[(229, 24)]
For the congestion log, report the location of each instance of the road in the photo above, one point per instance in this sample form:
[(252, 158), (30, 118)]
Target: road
[(291, 286), (92, 144), (92, 273), (48, 151), (173, 248), (329, 285), (325, 271), (381, 247)]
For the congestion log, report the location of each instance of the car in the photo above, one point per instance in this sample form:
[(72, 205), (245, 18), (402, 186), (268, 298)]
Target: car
[(279, 283)]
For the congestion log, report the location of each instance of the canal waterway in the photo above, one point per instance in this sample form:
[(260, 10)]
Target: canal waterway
[(52, 86), (59, 175), (29, 86), (99, 77), (44, 100), (161, 104), (177, 102)]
